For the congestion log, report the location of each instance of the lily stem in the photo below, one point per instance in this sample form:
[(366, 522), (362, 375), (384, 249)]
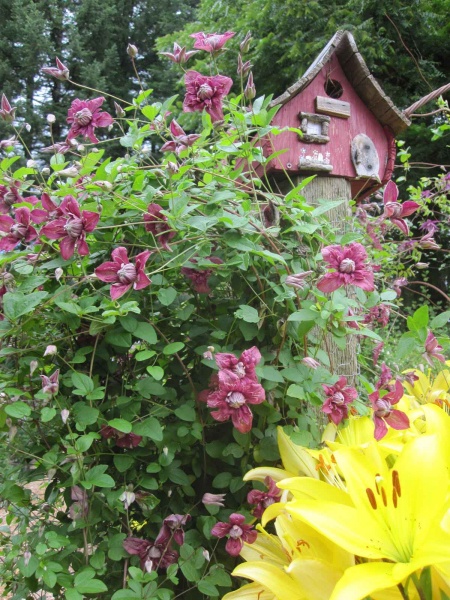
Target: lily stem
[(403, 591), (418, 586)]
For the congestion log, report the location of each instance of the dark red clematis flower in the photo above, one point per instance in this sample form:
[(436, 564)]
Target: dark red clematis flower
[(379, 314), (199, 278), (123, 440), (156, 223), (339, 396), (242, 367), (231, 400), (237, 531), (9, 197), (18, 230), (172, 527), (49, 211), (384, 413), (206, 93), (153, 555), (211, 42), (181, 141), (84, 117), (123, 274), (349, 264), (71, 228), (264, 499), (395, 210)]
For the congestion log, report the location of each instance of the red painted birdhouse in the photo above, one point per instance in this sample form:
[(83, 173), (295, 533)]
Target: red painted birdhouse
[(348, 123)]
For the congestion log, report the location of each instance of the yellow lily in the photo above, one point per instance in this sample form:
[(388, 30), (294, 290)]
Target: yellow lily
[(427, 389), (394, 514)]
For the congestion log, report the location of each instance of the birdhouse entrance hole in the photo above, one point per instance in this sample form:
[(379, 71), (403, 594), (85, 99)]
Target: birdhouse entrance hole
[(333, 88)]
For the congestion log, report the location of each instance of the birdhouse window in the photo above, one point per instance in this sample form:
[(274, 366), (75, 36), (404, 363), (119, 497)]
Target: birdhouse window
[(314, 128)]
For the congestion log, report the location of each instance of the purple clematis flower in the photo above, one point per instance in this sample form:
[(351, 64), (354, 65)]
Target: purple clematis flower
[(432, 350), (179, 54), (199, 278), (18, 230), (172, 527), (232, 398), (394, 210), (61, 72), (264, 499), (338, 396), (237, 531), (122, 440), (156, 223), (84, 116), (243, 367), (384, 413), (9, 197), (71, 228), (153, 555), (181, 141), (123, 274), (50, 385), (349, 264), (211, 42), (49, 212), (206, 93)]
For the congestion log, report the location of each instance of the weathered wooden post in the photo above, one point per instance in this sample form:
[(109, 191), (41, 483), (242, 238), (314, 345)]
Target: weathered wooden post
[(349, 127)]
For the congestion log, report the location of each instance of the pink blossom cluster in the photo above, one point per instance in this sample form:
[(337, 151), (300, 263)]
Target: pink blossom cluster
[(234, 388)]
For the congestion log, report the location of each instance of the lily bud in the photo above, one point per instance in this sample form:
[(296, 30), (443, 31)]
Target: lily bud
[(245, 44), (132, 51)]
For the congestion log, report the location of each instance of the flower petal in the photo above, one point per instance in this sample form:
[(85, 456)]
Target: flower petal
[(390, 193), (67, 247), (107, 272)]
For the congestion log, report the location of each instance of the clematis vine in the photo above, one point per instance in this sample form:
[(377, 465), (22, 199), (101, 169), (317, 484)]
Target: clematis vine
[(395, 210), (232, 399), (339, 396), (384, 414), (350, 268), (84, 117), (123, 274), (17, 230), (179, 54), (211, 42), (71, 228), (122, 440), (237, 531), (180, 141), (206, 93)]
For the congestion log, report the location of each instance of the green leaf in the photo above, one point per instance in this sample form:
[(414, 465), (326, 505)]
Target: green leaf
[(126, 595), (72, 594), (185, 413), (270, 373), (146, 332), (151, 428), (85, 583), (84, 414), (205, 586), (295, 391), (156, 372), (17, 304), (325, 206), (247, 314), (123, 462), (119, 337), (121, 425), (441, 320), (47, 414), (97, 476), (222, 480), (167, 295), (405, 345), (304, 314), (419, 320), (83, 384), (173, 348), (18, 409)]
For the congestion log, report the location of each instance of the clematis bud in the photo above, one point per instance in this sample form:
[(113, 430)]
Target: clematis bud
[(81, 148), (65, 415), (243, 67), (26, 557), (50, 350), (45, 171), (127, 498), (12, 432), (132, 51), (7, 112), (206, 555), (61, 72), (172, 168), (245, 44), (31, 164), (119, 110), (105, 185), (250, 90), (213, 499), (51, 118), (70, 172), (33, 366), (422, 265), (58, 273), (310, 362), (7, 143)]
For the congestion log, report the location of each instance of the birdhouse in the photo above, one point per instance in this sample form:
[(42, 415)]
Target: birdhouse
[(346, 124)]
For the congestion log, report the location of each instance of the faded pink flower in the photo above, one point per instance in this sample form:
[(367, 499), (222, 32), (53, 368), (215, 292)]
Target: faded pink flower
[(179, 54), (59, 148), (123, 274), (153, 555), (18, 230), (397, 285), (211, 42), (8, 142), (199, 278), (427, 242), (310, 362), (376, 352), (122, 440), (242, 367), (394, 210), (9, 197), (50, 385), (264, 499), (71, 228), (349, 264), (61, 72), (213, 499), (384, 414), (80, 507), (181, 141), (156, 223), (432, 350), (297, 280), (379, 314), (173, 527), (84, 116), (7, 112), (206, 93), (339, 396), (232, 398), (237, 531)]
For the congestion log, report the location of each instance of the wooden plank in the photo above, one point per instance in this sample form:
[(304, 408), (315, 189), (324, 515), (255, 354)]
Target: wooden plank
[(333, 107)]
